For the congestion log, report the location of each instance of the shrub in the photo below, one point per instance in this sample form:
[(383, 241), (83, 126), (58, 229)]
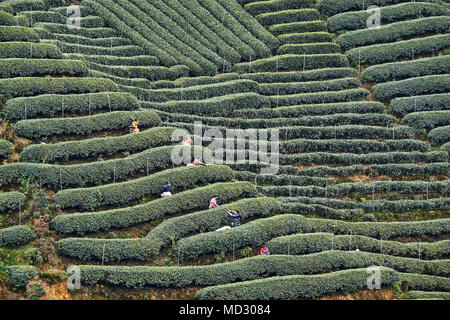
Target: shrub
[(68, 47), (420, 85), (5, 148), (257, 233), (408, 69), (298, 244), (35, 290), (152, 73), (280, 179), (50, 105), (82, 31), (353, 146), (258, 7), (307, 87), (298, 27), (332, 7), (10, 68), (257, 267), (141, 60), (305, 37), (286, 16), (300, 76), (23, 87), (16, 236), (121, 193), (85, 149), (319, 97), (162, 235), (435, 102), (290, 62), (20, 275), (29, 50), (393, 32), (217, 106), (312, 110), (81, 223), (296, 287), (16, 33), (7, 19), (414, 294), (11, 201), (397, 51), (309, 48), (185, 82), (403, 11), (427, 120), (439, 135), (426, 282), (90, 174), (34, 257), (250, 24), (82, 126)]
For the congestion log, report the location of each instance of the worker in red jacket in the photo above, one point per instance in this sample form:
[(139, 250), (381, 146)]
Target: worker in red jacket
[(264, 250)]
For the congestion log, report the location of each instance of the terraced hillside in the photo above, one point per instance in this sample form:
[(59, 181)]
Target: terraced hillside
[(363, 121)]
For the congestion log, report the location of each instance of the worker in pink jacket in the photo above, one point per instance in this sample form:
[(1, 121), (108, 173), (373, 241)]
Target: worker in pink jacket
[(213, 202)]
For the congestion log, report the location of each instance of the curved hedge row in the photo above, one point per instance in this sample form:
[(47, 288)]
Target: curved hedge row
[(307, 87), (377, 205), (363, 107), (16, 236), (288, 62), (11, 201), (89, 174), (141, 60), (7, 19), (393, 32), (439, 135), (24, 87), (67, 47), (50, 105), (5, 148), (426, 282), (29, 50), (259, 7), (163, 234), (296, 287), (16, 33), (81, 223), (403, 11), (352, 146), (121, 193), (82, 126), (57, 28), (320, 97), (298, 27), (305, 37), (369, 158), (252, 268), (414, 294), (286, 16), (279, 179), (306, 243), (408, 69), (300, 76), (19, 67), (85, 149), (403, 106), (257, 233), (332, 7), (217, 106), (414, 86), (397, 51), (427, 120), (309, 48)]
